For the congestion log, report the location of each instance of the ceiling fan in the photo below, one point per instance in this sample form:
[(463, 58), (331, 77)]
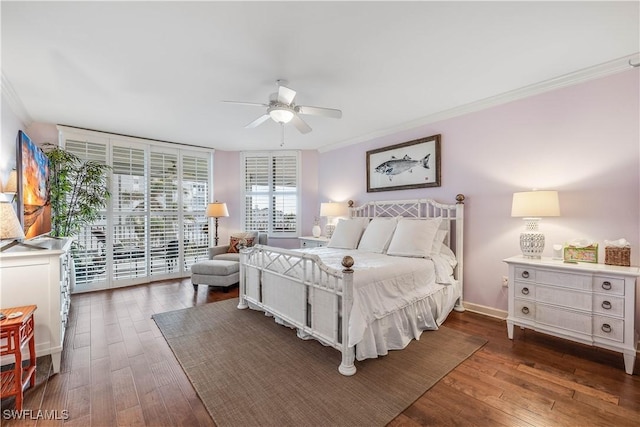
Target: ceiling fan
[(282, 109)]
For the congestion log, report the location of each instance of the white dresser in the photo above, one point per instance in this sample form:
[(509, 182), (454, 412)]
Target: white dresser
[(589, 303), (313, 242), (40, 277)]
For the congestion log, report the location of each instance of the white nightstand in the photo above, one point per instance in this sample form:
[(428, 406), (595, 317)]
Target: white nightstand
[(313, 242), (589, 303)]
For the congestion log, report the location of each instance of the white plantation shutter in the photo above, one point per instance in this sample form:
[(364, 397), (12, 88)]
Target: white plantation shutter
[(284, 198), (88, 151), (271, 192), (129, 226), (163, 207), (195, 190), (90, 248)]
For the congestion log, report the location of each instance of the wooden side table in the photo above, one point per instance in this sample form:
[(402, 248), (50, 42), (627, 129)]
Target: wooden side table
[(14, 334)]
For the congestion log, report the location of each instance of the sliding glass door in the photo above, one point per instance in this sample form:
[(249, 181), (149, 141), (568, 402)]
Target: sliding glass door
[(155, 226)]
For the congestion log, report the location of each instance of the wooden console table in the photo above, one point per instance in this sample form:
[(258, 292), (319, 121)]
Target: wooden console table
[(14, 334)]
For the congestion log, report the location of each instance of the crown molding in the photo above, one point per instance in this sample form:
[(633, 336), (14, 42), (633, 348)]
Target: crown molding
[(570, 79), (14, 101)]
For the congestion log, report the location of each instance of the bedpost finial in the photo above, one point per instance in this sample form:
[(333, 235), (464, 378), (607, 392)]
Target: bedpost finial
[(350, 203), (347, 263), (460, 198)]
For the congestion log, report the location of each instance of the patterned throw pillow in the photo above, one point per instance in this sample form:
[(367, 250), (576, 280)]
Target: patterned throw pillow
[(237, 242)]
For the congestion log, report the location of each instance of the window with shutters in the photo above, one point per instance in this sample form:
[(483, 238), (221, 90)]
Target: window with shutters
[(130, 224), (195, 190), (90, 248), (271, 192), (163, 212), (155, 225)]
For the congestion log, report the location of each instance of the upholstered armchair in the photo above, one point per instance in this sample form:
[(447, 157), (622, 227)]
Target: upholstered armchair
[(230, 252)]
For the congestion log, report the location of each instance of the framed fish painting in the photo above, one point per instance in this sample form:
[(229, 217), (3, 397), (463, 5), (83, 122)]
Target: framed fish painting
[(412, 164)]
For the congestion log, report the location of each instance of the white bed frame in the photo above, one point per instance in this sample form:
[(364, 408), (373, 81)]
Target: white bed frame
[(268, 273)]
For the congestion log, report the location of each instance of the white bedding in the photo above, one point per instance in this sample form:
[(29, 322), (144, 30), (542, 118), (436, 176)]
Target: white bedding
[(394, 298)]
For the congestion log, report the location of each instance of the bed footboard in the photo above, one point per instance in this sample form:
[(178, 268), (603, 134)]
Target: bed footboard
[(299, 290)]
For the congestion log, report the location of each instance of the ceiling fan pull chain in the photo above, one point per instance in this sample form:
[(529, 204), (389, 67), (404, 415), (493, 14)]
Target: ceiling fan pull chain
[(282, 127)]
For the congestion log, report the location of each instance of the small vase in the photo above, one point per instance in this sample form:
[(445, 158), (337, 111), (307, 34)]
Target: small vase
[(316, 230)]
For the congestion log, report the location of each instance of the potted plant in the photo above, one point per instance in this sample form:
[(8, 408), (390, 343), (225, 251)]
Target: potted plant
[(78, 191)]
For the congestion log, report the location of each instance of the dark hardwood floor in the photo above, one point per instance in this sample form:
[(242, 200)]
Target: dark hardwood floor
[(118, 370)]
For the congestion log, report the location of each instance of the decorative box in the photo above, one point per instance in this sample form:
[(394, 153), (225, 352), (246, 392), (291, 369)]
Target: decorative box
[(581, 254), (617, 256)]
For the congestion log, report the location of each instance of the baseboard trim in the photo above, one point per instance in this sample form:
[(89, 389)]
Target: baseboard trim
[(486, 311)]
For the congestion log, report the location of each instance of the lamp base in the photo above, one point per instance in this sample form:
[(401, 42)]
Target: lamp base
[(19, 243), (329, 229), (532, 244), (531, 240)]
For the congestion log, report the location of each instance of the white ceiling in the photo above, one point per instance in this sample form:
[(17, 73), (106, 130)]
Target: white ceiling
[(161, 69)]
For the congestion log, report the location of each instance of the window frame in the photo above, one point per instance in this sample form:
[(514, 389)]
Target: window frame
[(271, 155)]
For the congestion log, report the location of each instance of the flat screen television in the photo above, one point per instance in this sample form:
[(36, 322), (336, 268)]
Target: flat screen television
[(34, 207)]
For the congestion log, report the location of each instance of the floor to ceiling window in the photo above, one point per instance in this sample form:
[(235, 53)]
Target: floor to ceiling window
[(155, 225)]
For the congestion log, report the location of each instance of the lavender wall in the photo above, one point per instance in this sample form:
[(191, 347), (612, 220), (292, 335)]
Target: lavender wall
[(582, 141)]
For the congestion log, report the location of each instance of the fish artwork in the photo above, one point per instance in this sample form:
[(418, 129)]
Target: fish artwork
[(397, 166)]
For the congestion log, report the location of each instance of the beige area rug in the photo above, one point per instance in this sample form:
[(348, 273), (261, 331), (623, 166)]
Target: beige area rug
[(250, 371)]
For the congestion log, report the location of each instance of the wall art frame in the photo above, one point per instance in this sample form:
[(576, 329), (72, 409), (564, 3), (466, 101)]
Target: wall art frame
[(411, 164)]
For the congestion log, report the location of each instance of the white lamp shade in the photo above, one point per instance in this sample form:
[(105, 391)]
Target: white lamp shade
[(217, 210), (333, 209), (10, 227), (535, 204), (11, 186)]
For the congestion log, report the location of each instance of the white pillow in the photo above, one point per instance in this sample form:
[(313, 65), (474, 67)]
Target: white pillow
[(377, 235), (414, 237), (347, 234), (438, 242)]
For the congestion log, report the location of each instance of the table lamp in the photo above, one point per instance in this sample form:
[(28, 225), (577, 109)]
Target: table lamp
[(332, 210), (10, 227), (217, 210), (532, 205)]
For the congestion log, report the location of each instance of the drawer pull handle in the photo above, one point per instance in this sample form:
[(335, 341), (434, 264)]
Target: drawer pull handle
[(606, 328), (606, 305), (525, 274), (525, 310), (525, 291), (606, 285)]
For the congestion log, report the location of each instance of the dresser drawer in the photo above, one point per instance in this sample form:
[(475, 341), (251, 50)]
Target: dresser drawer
[(525, 290), (608, 285), (566, 280), (564, 297), (608, 305), (563, 318), (609, 328), (524, 309), (524, 273)]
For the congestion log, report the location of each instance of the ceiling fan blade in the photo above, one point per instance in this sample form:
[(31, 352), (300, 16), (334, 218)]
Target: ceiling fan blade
[(257, 122), (300, 124), (257, 104), (319, 111), (286, 95)]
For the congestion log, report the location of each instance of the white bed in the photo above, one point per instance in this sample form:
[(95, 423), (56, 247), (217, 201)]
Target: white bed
[(393, 270)]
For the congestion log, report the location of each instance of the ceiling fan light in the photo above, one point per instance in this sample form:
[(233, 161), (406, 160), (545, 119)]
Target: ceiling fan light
[(281, 115)]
